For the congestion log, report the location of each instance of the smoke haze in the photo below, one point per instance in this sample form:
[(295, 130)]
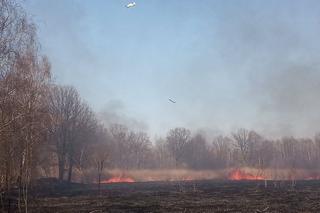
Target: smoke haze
[(228, 64)]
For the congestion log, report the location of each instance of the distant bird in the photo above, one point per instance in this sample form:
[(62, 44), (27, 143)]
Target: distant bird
[(172, 101), (132, 4)]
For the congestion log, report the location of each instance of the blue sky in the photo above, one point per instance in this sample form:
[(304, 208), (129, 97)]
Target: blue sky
[(227, 63)]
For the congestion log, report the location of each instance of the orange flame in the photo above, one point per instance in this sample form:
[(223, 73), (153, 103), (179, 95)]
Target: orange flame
[(237, 174), (119, 180), (189, 178)]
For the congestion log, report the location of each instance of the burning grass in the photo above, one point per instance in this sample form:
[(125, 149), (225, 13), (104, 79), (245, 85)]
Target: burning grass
[(118, 180), (243, 173), (238, 174), (165, 175)]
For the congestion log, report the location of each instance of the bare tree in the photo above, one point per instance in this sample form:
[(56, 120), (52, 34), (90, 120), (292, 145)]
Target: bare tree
[(222, 151), (100, 151), (162, 156), (197, 154), (72, 124), (139, 145), (24, 76), (120, 146), (177, 140), (288, 148), (241, 138)]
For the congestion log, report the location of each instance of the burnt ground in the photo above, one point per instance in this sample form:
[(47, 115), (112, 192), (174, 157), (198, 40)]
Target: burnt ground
[(188, 196)]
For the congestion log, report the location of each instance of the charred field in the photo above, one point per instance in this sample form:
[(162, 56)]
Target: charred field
[(179, 196)]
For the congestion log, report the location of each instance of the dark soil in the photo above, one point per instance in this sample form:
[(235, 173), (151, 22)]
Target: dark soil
[(188, 196)]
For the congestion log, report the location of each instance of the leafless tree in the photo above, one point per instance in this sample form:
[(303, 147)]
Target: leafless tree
[(197, 154), (241, 138), (222, 151), (177, 140), (288, 148), (24, 78), (72, 124), (100, 152), (120, 146), (162, 156), (140, 146)]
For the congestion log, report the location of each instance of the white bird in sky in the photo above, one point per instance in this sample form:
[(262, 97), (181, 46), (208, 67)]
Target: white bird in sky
[(172, 100), (132, 4)]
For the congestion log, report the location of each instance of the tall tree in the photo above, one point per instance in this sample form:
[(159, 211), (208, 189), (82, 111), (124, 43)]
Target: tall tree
[(72, 124), (177, 140), (24, 79), (241, 137)]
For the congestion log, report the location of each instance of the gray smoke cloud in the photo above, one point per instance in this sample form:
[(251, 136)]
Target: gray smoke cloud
[(288, 99), (276, 52), (115, 112)]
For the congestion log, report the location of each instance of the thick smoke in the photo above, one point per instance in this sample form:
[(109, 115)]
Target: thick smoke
[(273, 49), (291, 100)]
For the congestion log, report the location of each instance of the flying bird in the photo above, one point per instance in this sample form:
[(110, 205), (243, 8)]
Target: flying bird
[(172, 101), (132, 4)]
